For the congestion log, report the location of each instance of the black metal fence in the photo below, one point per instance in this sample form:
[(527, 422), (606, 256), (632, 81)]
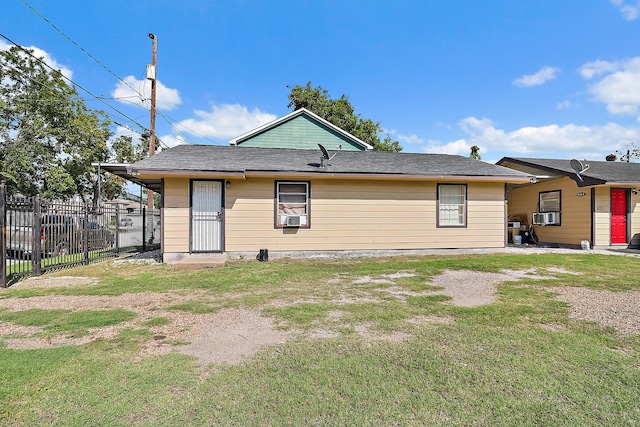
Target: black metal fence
[(40, 235)]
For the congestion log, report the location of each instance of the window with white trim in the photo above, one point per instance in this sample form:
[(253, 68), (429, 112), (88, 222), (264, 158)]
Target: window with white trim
[(292, 204), (452, 205)]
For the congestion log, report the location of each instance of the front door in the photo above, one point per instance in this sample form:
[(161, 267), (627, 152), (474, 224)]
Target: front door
[(206, 216), (618, 216)]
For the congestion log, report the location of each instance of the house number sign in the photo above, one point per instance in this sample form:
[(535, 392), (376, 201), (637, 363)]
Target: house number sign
[(581, 194)]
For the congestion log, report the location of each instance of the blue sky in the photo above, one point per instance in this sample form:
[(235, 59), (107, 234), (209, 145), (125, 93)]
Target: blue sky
[(545, 78)]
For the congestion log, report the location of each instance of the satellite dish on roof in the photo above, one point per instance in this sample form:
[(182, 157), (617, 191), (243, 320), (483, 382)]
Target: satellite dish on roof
[(578, 167), (325, 155)]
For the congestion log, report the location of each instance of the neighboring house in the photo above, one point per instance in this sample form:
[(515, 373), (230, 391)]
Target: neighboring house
[(128, 206), (233, 199), (600, 205), (300, 129)]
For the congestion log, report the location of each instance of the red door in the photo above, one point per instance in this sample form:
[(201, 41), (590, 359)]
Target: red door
[(618, 216)]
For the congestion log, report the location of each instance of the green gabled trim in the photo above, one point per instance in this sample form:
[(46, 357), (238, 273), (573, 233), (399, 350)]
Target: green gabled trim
[(300, 132), (300, 129)]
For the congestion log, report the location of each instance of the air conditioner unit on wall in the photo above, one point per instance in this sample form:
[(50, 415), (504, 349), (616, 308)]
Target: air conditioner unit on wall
[(537, 218), (553, 218), (292, 221), (546, 218)]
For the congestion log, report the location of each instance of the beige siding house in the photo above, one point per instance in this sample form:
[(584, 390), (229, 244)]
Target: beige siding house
[(236, 199), (599, 205)]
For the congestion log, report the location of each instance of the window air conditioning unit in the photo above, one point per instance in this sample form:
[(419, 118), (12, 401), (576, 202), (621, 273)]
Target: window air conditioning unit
[(546, 218), (553, 218), (538, 218), (292, 221)]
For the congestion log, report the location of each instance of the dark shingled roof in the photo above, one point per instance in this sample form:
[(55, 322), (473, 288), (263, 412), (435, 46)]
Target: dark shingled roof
[(599, 172), (205, 158)]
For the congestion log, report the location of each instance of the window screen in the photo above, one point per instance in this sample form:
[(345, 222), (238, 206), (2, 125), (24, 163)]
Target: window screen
[(550, 201), (292, 200), (452, 205)]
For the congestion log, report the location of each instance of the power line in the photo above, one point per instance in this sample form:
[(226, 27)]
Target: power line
[(123, 99), (175, 129), (140, 95), (61, 100), (174, 124), (56, 99), (81, 48), (120, 98), (30, 53), (169, 120)]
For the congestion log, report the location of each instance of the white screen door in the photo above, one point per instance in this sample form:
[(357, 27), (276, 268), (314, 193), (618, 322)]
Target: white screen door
[(206, 216)]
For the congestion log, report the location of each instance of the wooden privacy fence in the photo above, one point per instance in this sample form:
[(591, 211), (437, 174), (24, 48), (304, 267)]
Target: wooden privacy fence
[(39, 235)]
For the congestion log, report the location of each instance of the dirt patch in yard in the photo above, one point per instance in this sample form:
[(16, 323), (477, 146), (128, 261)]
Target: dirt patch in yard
[(618, 310), (230, 335), (474, 288)]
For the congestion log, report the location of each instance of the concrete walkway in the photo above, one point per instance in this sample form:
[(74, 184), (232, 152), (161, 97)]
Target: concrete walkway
[(218, 260), (511, 249)]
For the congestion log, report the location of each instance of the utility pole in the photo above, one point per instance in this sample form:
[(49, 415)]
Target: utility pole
[(151, 75)]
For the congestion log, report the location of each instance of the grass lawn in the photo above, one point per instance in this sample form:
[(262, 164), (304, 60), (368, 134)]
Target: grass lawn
[(517, 361)]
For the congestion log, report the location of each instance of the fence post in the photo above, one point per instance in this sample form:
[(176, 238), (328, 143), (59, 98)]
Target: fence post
[(85, 235), (116, 243), (144, 229), (3, 237), (36, 235)]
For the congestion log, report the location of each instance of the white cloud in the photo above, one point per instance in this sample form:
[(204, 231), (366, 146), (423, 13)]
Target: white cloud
[(564, 105), (592, 142), (408, 139), (166, 98), (472, 125), (597, 68), (629, 12), (545, 74), (444, 125), (46, 57), (225, 121), (411, 139), (170, 141), (459, 147), (124, 131), (550, 141), (166, 141), (617, 86)]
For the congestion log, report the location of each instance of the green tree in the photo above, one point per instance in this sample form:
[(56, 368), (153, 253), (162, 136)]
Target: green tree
[(33, 119), (475, 153), (125, 151), (48, 137), (630, 152), (341, 113)]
